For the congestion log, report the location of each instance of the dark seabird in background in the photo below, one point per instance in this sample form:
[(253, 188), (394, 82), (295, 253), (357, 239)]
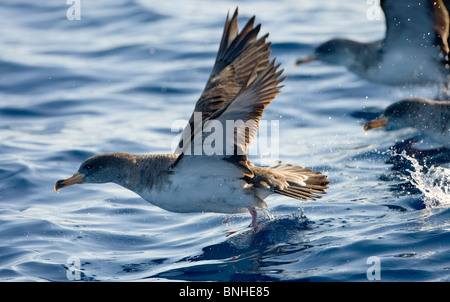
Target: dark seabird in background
[(429, 118), (414, 51)]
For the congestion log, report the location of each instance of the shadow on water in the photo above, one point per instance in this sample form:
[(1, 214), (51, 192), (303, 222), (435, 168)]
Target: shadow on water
[(246, 255)]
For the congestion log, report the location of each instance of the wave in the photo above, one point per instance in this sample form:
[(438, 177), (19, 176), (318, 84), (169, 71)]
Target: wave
[(433, 182)]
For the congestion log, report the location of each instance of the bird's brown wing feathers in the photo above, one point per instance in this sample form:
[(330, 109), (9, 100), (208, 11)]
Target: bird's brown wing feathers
[(238, 56)]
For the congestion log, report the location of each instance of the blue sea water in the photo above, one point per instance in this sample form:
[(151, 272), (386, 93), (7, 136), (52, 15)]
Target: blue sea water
[(118, 78)]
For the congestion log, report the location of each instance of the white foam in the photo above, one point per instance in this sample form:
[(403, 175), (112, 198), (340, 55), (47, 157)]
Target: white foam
[(433, 182)]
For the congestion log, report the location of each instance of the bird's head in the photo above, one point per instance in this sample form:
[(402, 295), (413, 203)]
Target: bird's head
[(335, 51), (100, 168), (401, 114)]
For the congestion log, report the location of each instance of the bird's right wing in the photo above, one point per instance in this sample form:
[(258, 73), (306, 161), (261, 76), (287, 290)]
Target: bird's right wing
[(237, 121), (419, 25), (239, 54), (447, 6)]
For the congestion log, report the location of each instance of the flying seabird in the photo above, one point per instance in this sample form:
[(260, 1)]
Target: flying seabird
[(428, 117), (242, 83), (414, 51)]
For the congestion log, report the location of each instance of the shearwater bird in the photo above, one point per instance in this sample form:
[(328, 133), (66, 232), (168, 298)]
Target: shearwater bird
[(242, 83), (414, 50), (428, 117)]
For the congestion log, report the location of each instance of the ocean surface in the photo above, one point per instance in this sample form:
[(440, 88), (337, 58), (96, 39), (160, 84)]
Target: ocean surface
[(118, 79)]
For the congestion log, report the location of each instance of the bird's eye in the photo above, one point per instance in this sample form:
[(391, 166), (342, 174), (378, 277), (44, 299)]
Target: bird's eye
[(89, 167)]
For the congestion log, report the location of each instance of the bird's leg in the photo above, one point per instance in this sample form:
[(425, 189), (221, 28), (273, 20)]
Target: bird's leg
[(254, 217)]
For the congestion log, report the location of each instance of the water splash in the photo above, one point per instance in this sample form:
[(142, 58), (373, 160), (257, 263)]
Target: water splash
[(433, 182)]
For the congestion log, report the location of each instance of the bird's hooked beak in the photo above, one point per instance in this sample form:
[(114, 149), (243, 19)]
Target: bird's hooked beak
[(379, 122), (77, 178), (309, 58)]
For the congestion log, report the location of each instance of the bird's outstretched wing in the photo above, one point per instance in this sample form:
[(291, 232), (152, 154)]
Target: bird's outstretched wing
[(447, 6), (420, 25), (236, 123), (240, 55), (246, 109)]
